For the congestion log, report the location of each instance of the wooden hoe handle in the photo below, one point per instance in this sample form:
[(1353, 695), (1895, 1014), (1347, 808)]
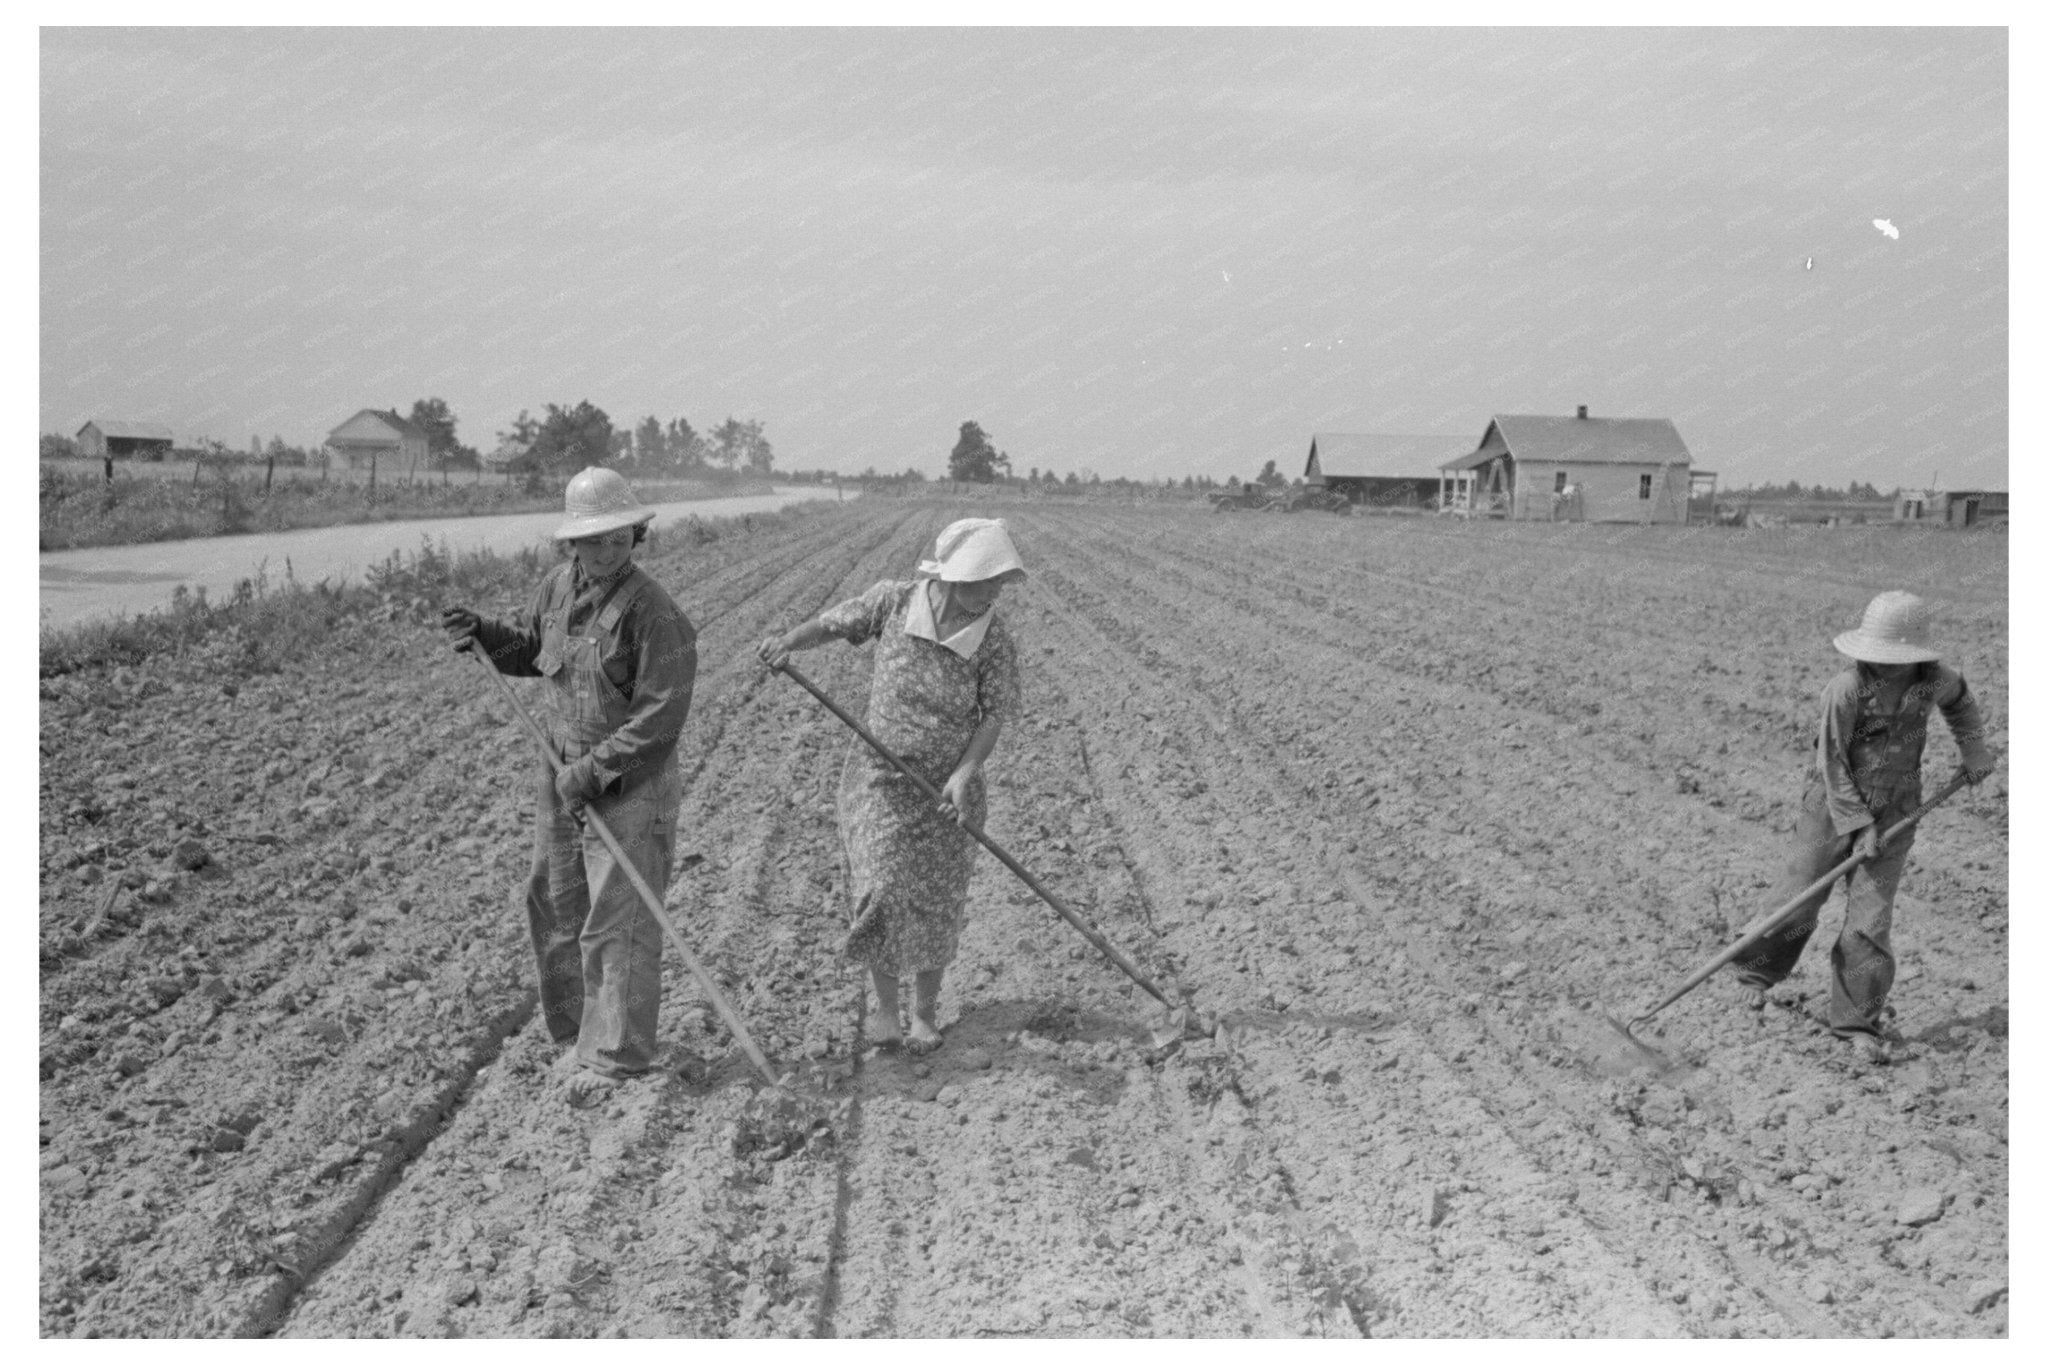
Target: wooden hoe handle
[(1784, 912), (1081, 926)]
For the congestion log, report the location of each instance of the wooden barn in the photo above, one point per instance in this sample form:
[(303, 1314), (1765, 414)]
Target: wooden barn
[(376, 436), (1541, 468), (1951, 507), (1375, 470), (103, 438)]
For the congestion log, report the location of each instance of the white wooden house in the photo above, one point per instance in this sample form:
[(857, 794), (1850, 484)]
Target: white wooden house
[(1542, 468), (374, 435)]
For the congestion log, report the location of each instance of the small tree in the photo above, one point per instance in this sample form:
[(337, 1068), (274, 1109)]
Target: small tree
[(974, 459), (1271, 477), (685, 447), (444, 452), (727, 444), (760, 456), (650, 446), (575, 438)]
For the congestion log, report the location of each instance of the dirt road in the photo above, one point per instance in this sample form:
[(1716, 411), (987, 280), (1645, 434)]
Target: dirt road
[(1406, 803), (127, 580)]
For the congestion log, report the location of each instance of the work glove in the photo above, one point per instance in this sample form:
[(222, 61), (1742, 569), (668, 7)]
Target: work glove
[(463, 626), (1977, 767), (578, 784)]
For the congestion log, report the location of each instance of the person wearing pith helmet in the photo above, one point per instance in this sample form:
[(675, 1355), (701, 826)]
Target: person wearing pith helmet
[(620, 660), (1866, 776)]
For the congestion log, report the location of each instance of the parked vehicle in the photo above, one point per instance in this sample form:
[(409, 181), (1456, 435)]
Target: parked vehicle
[(1315, 499), (1250, 497)]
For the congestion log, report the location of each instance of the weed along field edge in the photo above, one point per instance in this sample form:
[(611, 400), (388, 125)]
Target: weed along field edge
[(1407, 804)]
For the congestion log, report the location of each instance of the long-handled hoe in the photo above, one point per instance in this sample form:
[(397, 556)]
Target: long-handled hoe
[(1181, 1024), (591, 817), (1763, 928)]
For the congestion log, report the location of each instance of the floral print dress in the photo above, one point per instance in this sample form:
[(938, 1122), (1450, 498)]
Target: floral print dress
[(908, 862)]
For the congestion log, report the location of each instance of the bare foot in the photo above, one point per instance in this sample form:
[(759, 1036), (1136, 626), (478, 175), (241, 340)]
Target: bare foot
[(924, 1038)]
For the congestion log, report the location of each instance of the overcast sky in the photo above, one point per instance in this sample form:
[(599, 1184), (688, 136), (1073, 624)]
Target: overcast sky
[(1136, 252)]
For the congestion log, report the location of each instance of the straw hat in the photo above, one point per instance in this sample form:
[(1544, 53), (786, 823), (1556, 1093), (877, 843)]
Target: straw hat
[(599, 500), (973, 549), (1895, 630)]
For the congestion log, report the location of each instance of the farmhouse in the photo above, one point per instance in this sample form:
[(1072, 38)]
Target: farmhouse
[(1378, 470), (102, 438), (374, 436), (1951, 507), (1541, 468)]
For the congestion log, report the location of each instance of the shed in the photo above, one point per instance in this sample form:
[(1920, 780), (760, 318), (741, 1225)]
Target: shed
[(1378, 470), (1951, 507), (512, 456), (374, 435), (1533, 467), (105, 438)]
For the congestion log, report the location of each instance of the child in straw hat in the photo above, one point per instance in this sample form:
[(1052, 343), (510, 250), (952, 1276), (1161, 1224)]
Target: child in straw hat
[(1866, 775)]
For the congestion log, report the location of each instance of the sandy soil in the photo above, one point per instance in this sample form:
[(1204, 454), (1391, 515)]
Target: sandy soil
[(1406, 804)]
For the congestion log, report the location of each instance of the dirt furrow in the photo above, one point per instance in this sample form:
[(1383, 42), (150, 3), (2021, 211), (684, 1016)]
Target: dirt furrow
[(1384, 1208), (1347, 778), (1145, 618), (734, 935)]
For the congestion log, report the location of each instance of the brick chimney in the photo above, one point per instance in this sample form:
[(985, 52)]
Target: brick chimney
[(1582, 412)]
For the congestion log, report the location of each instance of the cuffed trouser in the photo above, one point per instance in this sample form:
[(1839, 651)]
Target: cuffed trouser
[(595, 942), (1862, 957)]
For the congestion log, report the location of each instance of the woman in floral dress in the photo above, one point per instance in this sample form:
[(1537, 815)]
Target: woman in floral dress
[(945, 683)]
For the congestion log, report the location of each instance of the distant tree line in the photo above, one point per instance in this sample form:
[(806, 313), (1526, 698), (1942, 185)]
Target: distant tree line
[(1817, 492), (561, 441), (566, 439)]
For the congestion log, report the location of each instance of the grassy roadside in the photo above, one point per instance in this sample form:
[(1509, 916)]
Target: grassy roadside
[(79, 509), (262, 625)]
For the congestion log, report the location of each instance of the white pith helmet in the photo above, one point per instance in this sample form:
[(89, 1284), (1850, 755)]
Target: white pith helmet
[(599, 500), (1897, 628)]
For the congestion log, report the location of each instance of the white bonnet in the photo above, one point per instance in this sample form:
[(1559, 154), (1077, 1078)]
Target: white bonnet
[(973, 549)]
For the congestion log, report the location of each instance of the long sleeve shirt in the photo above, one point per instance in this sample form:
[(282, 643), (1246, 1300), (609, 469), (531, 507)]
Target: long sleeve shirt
[(1864, 755), (648, 652)]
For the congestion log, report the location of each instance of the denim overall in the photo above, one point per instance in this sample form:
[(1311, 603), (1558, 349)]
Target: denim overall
[(1884, 764), (596, 944)]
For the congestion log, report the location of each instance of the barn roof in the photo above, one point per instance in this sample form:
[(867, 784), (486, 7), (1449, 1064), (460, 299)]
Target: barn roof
[(133, 431), (1371, 455), (1590, 440)]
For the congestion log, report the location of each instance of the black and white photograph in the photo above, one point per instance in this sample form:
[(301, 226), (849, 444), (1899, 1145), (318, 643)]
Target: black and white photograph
[(1186, 681)]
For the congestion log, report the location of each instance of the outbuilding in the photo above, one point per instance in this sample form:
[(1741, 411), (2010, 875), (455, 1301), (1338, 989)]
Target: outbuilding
[(1951, 507), (1533, 467), (375, 436), (106, 438), (512, 456), (1377, 470)]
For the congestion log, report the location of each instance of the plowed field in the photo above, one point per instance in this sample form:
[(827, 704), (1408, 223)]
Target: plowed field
[(1407, 804)]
